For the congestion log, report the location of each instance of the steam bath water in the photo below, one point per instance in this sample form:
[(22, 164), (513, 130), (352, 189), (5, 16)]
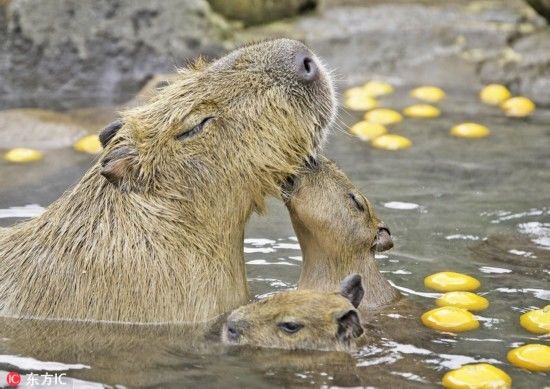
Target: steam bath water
[(479, 207)]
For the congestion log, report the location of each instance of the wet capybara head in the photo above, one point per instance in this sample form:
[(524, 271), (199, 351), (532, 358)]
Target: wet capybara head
[(300, 319), (324, 203), (338, 232), (251, 116)]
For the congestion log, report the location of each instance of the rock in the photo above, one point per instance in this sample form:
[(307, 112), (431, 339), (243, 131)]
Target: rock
[(68, 53), (43, 129), (38, 129), (95, 118), (525, 67), (542, 7), (419, 41), (260, 11)]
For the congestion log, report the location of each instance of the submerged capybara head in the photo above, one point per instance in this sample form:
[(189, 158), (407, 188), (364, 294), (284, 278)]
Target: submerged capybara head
[(325, 204), (252, 116), (300, 319)]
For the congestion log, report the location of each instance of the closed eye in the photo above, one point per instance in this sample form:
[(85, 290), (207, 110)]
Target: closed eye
[(356, 202), (290, 327), (195, 130)]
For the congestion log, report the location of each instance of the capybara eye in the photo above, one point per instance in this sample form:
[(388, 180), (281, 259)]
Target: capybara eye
[(290, 327), (195, 130), (356, 202)]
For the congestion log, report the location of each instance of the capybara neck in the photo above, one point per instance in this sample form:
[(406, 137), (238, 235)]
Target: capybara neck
[(154, 230), (323, 270), (131, 247)]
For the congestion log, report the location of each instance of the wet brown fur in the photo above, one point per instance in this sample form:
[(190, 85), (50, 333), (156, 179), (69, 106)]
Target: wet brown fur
[(336, 238), (165, 242)]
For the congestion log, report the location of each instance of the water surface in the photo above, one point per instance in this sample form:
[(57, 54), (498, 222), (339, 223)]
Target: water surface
[(480, 207)]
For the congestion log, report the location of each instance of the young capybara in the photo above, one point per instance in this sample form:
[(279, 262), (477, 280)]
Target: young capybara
[(300, 319), (154, 230), (338, 232)]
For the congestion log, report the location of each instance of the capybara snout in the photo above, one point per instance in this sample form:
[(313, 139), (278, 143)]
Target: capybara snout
[(306, 66), (383, 240)]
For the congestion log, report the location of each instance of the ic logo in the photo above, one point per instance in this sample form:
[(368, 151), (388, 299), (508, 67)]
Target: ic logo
[(13, 379)]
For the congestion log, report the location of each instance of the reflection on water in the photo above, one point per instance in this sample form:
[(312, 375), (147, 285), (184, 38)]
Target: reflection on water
[(400, 205), (27, 211), (477, 207)]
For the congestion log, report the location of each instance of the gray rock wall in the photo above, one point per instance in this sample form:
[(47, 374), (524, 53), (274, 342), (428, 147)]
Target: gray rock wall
[(456, 44), (542, 7), (69, 53), (261, 11)]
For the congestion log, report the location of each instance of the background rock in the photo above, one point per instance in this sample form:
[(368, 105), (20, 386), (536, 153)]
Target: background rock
[(542, 7), (525, 66), (45, 130), (261, 11), (455, 44), (38, 129), (69, 53), (66, 54)]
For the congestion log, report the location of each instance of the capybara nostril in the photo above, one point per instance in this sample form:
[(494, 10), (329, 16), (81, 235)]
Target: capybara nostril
[(306, 68)]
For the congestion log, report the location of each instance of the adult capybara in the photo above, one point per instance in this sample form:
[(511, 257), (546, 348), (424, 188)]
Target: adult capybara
[(338, 232), (300, 319), (154, 230)]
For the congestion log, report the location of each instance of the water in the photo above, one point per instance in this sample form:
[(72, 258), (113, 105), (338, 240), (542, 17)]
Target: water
[(480, 207)]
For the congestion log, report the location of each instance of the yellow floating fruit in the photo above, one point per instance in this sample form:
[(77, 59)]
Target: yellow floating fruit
[(465, 300), (428, 93), (391, 142), (356, 91), (470, 130), (537, 321), (89, 144), (367, 131), (477, 376), (451, 319), (377, 88), (360, 102), (449, 281), (494, 94), (535, 357), (423, 111), (22, 155), (518, 107), (383, 116)]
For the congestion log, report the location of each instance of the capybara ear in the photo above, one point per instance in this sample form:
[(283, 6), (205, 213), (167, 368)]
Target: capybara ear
[(349, 326), (352, 289), (383, 241), (109, 132), (118, 164)]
